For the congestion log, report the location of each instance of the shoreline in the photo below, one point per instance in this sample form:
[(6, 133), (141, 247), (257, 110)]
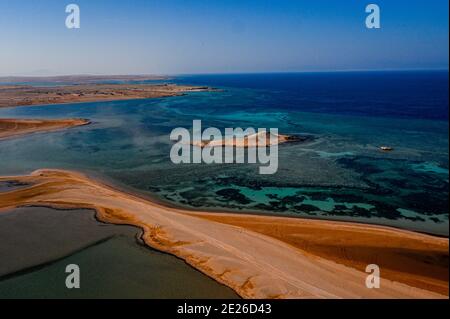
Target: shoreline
[(16, 96), (145, 195), (152, 197), (23, 95), (20, 127), (298, 233), (252, 263)]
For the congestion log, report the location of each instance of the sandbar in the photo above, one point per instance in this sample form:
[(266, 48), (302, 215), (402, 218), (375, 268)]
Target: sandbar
[(254, 262), (19, 127)]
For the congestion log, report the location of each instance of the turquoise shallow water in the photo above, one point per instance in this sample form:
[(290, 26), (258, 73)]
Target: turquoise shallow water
[(338, 173)]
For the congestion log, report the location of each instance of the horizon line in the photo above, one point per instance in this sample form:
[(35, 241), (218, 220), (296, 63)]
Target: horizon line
[(231, 73)]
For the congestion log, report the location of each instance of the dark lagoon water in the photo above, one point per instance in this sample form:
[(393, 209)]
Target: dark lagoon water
[(338, 173), (37, 244)]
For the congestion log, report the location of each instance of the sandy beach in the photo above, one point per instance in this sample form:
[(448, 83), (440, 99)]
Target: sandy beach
[(415, 259), (258, 256), (18, 127)]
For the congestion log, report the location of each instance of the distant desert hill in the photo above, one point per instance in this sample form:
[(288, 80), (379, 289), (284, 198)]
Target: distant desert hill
[(79, 79)]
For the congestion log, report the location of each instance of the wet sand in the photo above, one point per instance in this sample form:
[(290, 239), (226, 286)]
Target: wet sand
[(257, 261), (37, 243), (19, 127), (23, 95)]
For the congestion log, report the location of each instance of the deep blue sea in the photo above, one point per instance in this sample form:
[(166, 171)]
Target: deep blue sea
[(339, 172), (421, 95)]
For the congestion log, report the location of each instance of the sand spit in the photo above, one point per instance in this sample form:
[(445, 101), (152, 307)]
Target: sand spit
[(254, 264), (18, 127), (21, 95)]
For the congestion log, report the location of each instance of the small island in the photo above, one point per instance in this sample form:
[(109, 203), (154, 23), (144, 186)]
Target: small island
[(260, 139)]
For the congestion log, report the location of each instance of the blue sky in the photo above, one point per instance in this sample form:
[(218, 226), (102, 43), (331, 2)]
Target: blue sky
[(220, 36)]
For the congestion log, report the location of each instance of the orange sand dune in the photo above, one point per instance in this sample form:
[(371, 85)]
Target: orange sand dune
[(419, 261), (17, 127), (259, 257)]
